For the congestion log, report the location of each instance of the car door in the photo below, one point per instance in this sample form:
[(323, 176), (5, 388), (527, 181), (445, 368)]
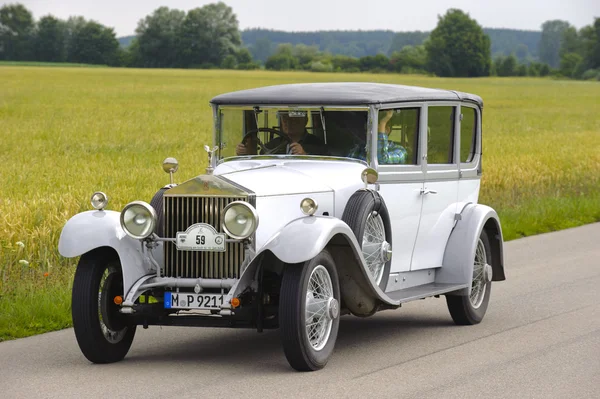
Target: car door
[(401, 181), (440, 190)]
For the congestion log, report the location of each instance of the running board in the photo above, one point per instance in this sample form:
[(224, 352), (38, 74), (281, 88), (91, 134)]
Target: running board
[(423, 291)]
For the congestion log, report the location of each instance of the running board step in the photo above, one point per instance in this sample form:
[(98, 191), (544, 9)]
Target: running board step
[(423, 291)]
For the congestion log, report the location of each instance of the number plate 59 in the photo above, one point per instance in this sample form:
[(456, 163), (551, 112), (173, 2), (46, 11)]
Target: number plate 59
[(200, 237)]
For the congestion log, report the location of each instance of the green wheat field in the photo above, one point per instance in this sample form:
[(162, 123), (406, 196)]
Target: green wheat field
[(67, 132)]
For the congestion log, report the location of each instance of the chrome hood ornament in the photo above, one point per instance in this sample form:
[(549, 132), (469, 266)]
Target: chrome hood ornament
[(212, 159)]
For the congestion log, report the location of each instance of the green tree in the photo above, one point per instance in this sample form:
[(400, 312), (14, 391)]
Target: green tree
[(229, 62), (550, 41), (93, 43), (72, 26), (49, 42), (16, 32), (243, 56), (409, 59), (208, 34), (568, 64), (306, 55), (458, 47), (506, 66), (376, 63), (281, 62), (157, 36), (130, 56), (591, 44), (345, 63), (535, 69), (570, 42)]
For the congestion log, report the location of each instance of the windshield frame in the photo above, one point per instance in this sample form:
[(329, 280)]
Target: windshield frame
[(218, 139)]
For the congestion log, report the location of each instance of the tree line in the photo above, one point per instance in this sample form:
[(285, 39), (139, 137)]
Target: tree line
[(264, 42), (205, 37), (209, 37), (53, 40)]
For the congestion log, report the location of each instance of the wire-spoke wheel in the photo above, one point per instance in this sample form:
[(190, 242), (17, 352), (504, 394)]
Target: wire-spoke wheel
[(309, 312), (470, 309), (103, 334), (478, 286), (375, 246), (367, 216)]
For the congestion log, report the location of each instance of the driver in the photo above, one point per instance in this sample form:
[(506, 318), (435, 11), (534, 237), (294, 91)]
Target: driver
[(297, 141)]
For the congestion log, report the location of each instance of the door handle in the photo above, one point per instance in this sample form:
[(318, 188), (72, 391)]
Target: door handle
[(425, 191)]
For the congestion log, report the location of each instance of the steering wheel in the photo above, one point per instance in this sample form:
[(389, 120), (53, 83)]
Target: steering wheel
[(261, 145)]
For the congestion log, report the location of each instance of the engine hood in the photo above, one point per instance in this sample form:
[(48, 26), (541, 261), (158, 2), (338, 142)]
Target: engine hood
[(271, 177)]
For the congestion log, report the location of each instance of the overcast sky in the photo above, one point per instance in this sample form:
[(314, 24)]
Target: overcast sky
[(311, 15)]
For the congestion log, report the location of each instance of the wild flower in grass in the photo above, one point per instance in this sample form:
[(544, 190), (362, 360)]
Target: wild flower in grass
[(20, 244), (23, 262), (46, 274)]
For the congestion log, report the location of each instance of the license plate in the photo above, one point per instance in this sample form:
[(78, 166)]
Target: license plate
[(185, 300), (200, 237)]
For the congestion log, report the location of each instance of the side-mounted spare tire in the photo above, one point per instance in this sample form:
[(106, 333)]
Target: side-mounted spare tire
[(157, 204), (368, 217)]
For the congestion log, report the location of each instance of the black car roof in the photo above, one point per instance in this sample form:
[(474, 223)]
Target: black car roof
[(339, 93)]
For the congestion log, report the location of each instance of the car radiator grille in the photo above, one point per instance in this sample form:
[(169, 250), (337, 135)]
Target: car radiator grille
[(182, 212)]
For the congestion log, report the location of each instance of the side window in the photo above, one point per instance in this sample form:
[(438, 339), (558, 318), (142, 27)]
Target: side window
[(439, 135), (397, 136), (468, 131)]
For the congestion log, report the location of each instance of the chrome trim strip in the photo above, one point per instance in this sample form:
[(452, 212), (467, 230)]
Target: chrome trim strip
[(248, 107)]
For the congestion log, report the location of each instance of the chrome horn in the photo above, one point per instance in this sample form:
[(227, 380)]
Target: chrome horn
[(170, 165)]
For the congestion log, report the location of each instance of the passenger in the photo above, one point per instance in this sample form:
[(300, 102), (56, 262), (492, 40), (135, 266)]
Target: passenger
[(388, 152), (301, 142)]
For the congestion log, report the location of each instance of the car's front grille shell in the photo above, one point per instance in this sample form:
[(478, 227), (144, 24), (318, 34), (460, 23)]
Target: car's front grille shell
[(180, 212)]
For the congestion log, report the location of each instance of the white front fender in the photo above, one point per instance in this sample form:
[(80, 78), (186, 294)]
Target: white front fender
[(302, 239), (94, 229)]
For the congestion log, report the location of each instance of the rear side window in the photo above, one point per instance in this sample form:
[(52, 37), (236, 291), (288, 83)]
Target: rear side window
[(440, 128), (402, 130), (468, 129)]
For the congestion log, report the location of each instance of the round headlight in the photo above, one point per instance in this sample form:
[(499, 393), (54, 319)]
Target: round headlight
[(99, 200), (138, 219), (240, 220), (308, 206)]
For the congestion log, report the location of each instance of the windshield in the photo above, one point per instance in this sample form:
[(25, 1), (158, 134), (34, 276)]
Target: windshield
[(292, 131)]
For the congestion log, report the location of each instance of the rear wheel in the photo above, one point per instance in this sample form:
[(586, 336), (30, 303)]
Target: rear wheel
[(103, 334), (309, 312), (470, 309)]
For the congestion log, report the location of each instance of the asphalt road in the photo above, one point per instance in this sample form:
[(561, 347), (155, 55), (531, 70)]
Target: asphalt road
[(539, 339)]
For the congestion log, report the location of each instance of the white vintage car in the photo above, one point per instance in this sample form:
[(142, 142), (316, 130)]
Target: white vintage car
[(320, 200)]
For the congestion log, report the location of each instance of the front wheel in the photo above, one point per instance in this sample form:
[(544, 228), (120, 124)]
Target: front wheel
[(470, 309), (309, 312), (103, 334)]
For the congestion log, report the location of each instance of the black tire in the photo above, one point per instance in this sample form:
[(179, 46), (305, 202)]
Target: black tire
[(157, 204), (360, 205), (461, 308), (292, 317), (98, 280)]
